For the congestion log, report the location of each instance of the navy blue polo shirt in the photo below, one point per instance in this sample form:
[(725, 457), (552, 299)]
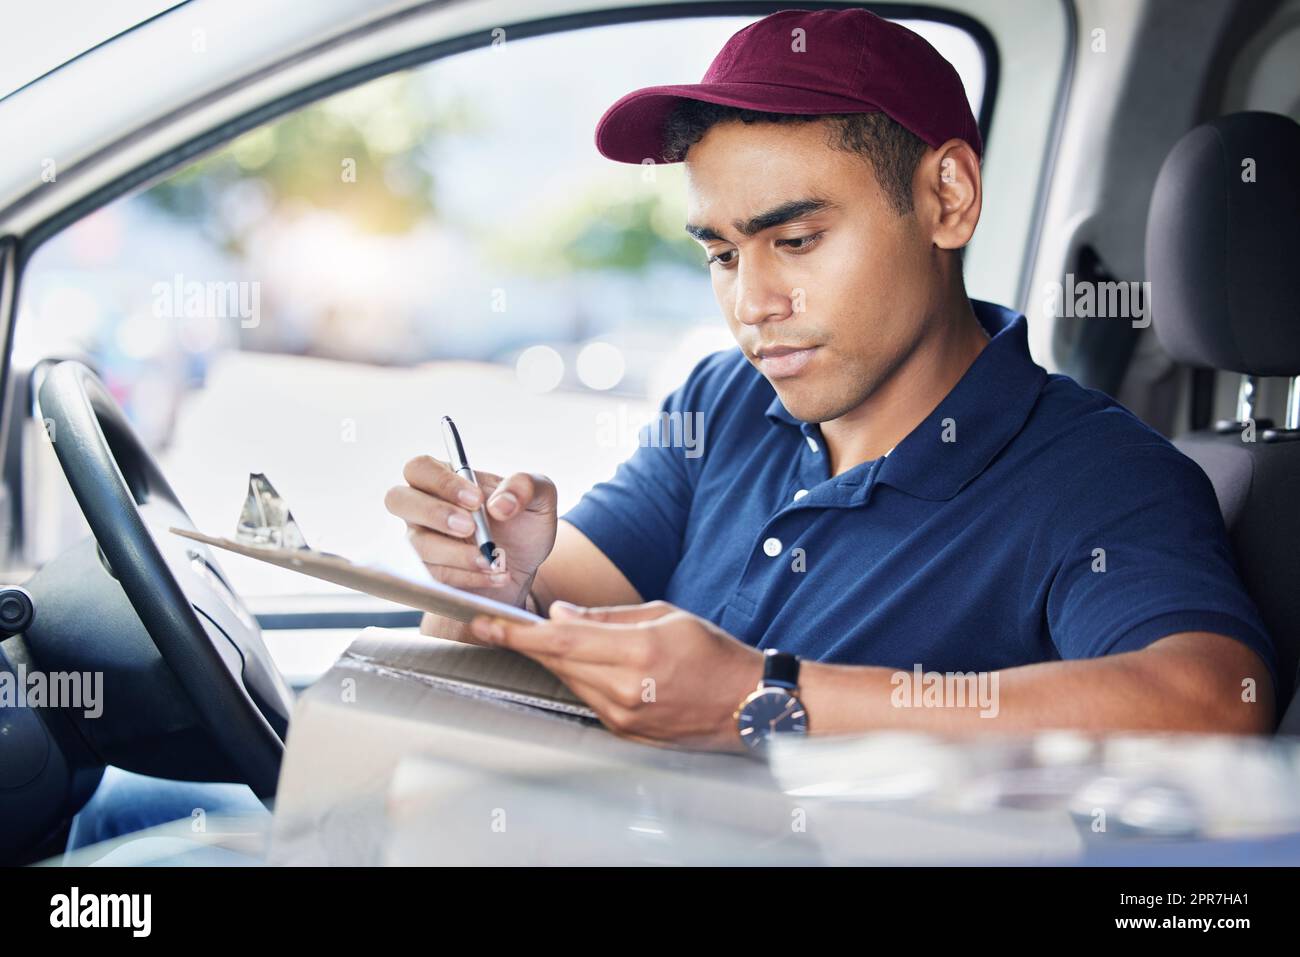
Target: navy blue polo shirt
[(1026, 519)]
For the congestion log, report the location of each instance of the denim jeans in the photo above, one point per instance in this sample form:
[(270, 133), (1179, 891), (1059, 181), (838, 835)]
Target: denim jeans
[(126, 802)]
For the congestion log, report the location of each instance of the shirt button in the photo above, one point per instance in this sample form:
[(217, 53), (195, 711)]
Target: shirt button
[(800, 494), (812, 443), (772, 547)]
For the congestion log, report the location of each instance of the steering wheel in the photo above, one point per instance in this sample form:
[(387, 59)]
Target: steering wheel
[(200, 627)]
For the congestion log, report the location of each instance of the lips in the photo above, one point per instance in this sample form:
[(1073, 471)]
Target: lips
[(781, 362)]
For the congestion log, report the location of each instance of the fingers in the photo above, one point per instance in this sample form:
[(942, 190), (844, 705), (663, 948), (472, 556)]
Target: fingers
[(617, 706), (437, 505), (480, 582), (454, 562), (435, 477), (599, 683), (593, 642), (436, 626), (613, 614), (576, 633), (611, 713), (523, 491), (422, 509)]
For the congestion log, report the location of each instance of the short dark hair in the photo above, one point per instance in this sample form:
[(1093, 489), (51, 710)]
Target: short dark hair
[(891, 148)]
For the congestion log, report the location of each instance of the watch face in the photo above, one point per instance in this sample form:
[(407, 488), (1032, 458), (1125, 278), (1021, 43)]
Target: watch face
[(768, 712)]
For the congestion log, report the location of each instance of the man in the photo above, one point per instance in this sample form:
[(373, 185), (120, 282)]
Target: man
[(890, 489), (889, 485)]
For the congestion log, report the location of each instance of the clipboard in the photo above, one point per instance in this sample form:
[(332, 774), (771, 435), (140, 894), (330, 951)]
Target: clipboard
[(424, 594)]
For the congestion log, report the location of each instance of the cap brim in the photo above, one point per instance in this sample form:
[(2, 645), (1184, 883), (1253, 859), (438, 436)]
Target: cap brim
[(631, 131)]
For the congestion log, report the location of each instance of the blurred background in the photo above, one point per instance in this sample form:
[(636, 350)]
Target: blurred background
[(308, 300)]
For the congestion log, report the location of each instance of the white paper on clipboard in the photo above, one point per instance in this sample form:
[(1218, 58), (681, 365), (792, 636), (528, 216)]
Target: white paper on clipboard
[(424, 594)]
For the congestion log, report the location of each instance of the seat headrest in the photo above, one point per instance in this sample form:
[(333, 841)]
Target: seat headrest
[(1222, 244)]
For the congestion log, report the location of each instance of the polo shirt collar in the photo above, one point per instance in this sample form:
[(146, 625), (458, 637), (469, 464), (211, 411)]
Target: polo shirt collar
[(988, 406)]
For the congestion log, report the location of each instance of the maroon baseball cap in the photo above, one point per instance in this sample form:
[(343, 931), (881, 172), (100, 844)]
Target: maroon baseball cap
[(845, 61)]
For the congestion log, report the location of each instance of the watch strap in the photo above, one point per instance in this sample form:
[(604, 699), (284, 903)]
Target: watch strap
[(780, 669)]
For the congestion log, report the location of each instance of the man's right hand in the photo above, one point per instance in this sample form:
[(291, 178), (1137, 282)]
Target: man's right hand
[(436, 504)]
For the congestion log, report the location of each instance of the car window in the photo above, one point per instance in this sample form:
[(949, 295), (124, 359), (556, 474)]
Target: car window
[(307, 301)]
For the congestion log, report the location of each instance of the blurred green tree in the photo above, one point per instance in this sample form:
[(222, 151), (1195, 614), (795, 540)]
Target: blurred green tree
[(361, 153), (368, 154)]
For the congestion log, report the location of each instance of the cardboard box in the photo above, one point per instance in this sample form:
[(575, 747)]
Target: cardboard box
[(384, 767)]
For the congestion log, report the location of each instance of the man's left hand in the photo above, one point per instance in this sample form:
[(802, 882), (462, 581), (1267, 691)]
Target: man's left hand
[(651, 672)]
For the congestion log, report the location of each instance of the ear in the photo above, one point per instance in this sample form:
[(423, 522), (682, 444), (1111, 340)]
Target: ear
[(950, 193)]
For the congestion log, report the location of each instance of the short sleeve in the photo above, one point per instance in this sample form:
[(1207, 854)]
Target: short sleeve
[(1143, 554), (638, 517)]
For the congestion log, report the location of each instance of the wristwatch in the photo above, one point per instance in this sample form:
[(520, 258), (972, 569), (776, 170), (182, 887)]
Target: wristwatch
[(774, 708)]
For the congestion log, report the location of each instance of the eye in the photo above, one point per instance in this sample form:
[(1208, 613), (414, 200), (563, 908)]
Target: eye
[(719, 260), (805, 242)]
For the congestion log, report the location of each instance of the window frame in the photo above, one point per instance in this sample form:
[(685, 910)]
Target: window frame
[(20, 249)]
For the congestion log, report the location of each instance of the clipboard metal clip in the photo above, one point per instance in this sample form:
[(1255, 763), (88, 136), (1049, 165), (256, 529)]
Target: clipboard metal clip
[(266, 521)]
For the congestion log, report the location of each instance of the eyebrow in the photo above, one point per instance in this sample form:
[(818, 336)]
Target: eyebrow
[(778, 215)]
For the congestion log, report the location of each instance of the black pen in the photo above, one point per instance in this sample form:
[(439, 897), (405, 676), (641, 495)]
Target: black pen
[(460, 465)]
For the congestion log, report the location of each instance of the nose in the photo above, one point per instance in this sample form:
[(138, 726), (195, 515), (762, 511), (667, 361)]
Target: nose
[(757, 297)]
